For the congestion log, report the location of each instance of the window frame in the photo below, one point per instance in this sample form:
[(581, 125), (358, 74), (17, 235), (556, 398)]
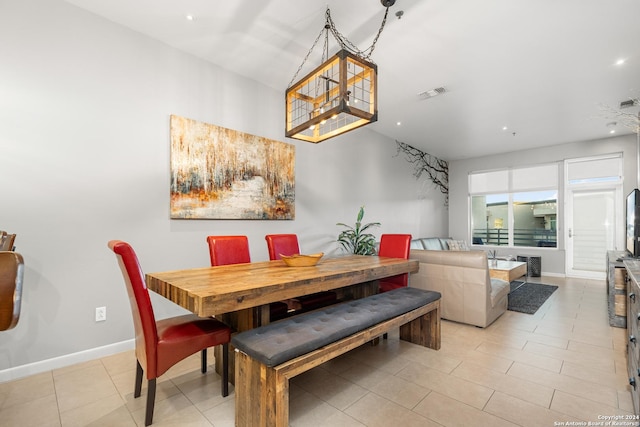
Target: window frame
[(547, 178)]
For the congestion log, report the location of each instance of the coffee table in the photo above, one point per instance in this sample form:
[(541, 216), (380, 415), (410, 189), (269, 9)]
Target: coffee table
[(507, 270)]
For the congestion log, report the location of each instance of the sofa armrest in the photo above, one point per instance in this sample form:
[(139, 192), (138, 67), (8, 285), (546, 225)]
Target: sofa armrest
[(462, 277)]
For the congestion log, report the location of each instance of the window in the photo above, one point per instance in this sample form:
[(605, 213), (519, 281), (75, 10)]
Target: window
[(534, 218), (515, 207)]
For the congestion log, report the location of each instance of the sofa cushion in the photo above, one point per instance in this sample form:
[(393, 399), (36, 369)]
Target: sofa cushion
[(433, 244), (416, 244), (286, 339), (499, 289), (444, 241)]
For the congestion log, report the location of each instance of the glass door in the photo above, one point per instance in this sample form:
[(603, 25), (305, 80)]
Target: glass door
[(592, 219)]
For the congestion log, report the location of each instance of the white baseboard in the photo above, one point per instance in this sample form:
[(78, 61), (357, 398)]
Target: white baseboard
[(63, 361), (544, 273)]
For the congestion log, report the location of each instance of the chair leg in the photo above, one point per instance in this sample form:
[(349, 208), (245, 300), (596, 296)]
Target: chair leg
[(137, 389), (151, 400), (385, 336), (225, 369), (203, 361)]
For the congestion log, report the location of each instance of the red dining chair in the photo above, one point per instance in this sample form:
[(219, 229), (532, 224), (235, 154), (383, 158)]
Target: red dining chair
[(11, 274), (287, 244), (394, 246), (282, 244), (160, 344), (225, 250)]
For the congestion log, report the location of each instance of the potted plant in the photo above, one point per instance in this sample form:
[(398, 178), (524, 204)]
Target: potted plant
[(354, 239)]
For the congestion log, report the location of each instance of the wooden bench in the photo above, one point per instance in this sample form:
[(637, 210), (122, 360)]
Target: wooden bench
[(268, 356)]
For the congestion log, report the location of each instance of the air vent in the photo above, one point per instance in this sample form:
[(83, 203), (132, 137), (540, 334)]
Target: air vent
[(431, 93), (629, 103)]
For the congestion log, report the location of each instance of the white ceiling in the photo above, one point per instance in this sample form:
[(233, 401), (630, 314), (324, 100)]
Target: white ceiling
[(543, 68)]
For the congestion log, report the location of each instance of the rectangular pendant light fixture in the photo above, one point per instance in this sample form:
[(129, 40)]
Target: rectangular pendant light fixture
[(338, 96)]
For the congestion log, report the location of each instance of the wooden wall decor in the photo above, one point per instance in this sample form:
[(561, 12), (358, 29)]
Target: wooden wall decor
[(220, 173)]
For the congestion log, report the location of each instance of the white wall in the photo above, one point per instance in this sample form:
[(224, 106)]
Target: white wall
[(84, 149), (553, 259)]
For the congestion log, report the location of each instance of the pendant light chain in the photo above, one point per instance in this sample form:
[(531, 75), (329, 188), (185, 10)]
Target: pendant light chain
[(342, 41), (325, 55), (348, 45), (305, 58)]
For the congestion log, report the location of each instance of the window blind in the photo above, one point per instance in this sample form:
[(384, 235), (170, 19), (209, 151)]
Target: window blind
[(489, 182), (594, 169), (528, 178), (534, 178)]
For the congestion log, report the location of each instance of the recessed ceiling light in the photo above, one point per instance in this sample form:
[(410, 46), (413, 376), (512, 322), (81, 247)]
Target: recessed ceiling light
[(504, 128), (398, 123), (620, 61), (190, 18)]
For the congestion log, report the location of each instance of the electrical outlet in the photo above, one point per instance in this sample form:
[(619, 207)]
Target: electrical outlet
[(101, 314)]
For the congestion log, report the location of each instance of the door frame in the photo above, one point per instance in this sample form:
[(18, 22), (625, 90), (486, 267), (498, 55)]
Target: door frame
[(618, 224), (596, 173)]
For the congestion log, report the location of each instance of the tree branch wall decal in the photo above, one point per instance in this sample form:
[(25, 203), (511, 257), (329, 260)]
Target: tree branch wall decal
[(436, 169)]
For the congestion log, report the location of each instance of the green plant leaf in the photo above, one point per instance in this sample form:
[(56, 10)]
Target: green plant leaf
[(355, 240)]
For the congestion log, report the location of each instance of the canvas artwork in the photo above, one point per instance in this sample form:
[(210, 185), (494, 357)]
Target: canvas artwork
[(220, 173)]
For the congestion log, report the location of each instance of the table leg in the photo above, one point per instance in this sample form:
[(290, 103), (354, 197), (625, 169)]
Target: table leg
[(239, 321)]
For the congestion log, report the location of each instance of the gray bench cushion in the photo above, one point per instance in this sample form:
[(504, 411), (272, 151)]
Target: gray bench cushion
[(284, 340)]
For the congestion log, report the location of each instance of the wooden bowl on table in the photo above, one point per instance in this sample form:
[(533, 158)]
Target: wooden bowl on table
[(300, 260)]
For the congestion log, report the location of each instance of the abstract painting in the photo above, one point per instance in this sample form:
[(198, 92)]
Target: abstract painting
[(220, 173)]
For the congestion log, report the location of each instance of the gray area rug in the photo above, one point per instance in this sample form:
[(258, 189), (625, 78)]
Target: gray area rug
[(528, 297)]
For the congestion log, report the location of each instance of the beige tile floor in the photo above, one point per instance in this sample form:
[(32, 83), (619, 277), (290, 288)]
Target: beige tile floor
[(560, 365)]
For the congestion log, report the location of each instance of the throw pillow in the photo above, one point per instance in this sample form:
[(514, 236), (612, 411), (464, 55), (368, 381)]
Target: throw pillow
[(458, 245)]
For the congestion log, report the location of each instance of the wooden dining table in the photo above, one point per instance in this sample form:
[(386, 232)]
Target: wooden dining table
[(240, 294)]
